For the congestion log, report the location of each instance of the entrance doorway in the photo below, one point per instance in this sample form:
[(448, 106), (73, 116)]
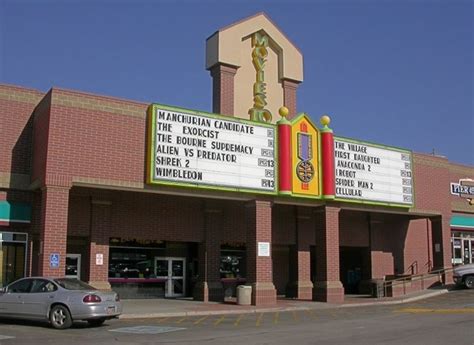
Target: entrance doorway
[(173, 270), (12, 256), (462, 250), (354, 267), (73, 266)]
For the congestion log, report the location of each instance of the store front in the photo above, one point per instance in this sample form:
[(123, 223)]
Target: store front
[(151, 269), (13, 254), (462, 248), (462, 240)]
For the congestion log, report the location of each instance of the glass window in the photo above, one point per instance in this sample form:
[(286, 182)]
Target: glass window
[(22, 286), (73, 284), (133, 262), (41, 285), (233, 263)]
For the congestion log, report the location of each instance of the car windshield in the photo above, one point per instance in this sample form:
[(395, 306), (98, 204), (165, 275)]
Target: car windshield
[(73, 284)]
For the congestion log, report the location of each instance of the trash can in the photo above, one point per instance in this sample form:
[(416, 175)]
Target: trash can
[(378, 288), (244, 295)]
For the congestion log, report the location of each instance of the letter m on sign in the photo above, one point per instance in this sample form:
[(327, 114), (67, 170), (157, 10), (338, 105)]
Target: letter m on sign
[(259, 40)]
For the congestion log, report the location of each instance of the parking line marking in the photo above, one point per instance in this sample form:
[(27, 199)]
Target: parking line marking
[(182, 319), (3, 337), (197, 322), (219, 320), (311, 314), (259, 320), (236, 323), (275, 318), (435, 311), (295, 317), (163, 320)]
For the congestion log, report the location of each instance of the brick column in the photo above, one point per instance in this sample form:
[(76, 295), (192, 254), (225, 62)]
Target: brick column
[(223, 89), (209, 286), (53, 230), (99, 244), (327, 287), (289, 96), (300, 285), (441, 234), (258, 218)]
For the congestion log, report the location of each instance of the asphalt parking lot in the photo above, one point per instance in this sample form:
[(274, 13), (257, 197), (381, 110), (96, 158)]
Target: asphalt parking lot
[(430, 321)]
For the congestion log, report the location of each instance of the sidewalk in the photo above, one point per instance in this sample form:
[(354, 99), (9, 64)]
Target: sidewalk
[(151, 308)]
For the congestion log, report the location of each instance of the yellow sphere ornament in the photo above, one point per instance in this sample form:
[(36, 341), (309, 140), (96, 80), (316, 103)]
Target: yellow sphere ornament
[(325, 120), (283, 111)]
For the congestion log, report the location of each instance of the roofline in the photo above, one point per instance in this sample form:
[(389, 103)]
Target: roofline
[(254, 16)]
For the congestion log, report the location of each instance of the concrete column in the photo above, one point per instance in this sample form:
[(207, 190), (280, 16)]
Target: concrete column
[(328, 287), (300, 285), (53, 230), (99, 244), (289, 96), (209, 286), (223, 89), (441, 232), (258, 218)]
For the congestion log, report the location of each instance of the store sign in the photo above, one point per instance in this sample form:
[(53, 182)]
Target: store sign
[(203, 150), (259, 57), (464, 189), (370, 173)]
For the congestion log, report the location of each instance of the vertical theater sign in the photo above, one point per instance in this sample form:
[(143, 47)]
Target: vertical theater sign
[(259, 57)]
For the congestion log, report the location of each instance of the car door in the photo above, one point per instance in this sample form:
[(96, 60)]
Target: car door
[(11, 301), (36, 302)]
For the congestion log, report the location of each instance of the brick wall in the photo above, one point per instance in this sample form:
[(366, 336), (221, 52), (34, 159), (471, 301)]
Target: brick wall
[(16, 106), (289, 96), (353, 229), (223, 89)]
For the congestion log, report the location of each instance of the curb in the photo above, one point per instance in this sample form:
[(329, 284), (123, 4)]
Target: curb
[(400, 301), (279, 309)]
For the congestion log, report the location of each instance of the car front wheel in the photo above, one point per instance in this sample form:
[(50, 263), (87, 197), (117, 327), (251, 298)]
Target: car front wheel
[(60, 317), (469, 282), (96, 322)]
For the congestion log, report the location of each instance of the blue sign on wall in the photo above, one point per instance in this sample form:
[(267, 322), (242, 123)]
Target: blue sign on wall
[(54, 260)]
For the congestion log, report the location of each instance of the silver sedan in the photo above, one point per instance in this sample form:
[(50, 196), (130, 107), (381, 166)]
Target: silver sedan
[(59, 300)]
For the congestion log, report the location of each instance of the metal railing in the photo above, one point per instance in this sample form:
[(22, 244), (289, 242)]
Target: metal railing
[(409, 279)]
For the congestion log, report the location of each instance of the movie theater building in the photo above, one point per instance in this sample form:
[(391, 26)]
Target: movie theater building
[(160, 201)]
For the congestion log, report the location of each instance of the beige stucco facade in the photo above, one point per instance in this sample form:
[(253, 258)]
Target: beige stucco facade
[(232, 46)]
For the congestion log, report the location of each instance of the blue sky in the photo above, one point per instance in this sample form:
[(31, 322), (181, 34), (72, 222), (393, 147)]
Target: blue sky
[(392, 72)]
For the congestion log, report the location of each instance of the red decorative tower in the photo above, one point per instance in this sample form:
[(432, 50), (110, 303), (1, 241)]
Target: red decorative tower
[(284, 152), (327, 159)]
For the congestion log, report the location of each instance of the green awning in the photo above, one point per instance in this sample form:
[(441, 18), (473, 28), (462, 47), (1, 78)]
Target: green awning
[(462, 222), (15, 212)]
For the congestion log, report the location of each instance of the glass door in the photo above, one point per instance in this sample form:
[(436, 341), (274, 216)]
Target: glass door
[(467, 257), (457, 251), (73, 266), (177, 279), (12, 262), (472, 250), (173, 270)]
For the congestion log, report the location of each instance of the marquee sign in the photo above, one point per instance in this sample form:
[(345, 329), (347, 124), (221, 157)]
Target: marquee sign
[(371, 173), (204, 150)]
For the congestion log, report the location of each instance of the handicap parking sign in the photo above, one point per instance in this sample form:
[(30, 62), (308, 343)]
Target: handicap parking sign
[(54, 260)]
